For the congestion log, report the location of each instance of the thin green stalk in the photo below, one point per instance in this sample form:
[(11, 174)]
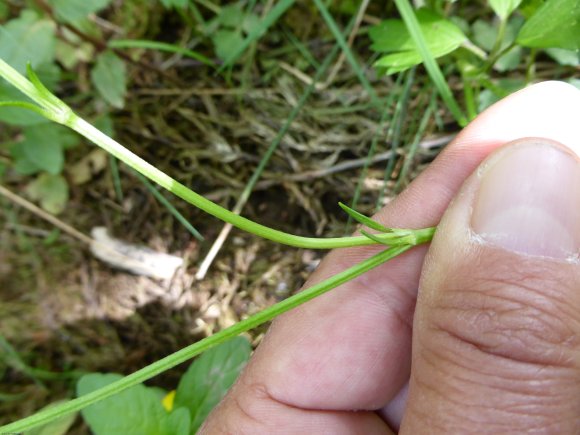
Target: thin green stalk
[(372, 150), (161, 46), (58, 111), (114, 165), (299, 45), (47, 415), (87, 130), (416, 140), (174, 212), (408, 15), (394, 133), (498, 40), (277, 11), (469, 97), (347, 52)]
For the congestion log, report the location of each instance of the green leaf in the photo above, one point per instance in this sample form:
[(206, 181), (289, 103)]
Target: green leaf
[(529, 7), (555, 24), (72, 11), (374, 238), (392, 37), (564, 57), (27, 39), (109, 77), (51, 191), (230, 15), (485, 34), (504, 8), (43, 147), (227, 43), (364, 220), (209, 377), (55, 427), (135, 411)]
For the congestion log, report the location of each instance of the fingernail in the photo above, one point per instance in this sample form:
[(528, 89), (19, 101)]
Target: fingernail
[(528, 200)]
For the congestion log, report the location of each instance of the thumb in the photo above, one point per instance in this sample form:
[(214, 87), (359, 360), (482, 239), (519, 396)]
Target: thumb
[(496, 339)]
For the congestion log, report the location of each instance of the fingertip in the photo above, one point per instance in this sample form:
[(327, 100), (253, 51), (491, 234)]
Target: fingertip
[(547, 109)]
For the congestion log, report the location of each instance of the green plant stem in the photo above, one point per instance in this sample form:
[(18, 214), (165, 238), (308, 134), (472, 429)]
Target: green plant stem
[(87, 130), (372, 149), (57, 111), (394, 132), (188, 352), (408, 15), (347, 52), (431, 108), (498, 40), (170, 207), (469, 97), (160, 46)]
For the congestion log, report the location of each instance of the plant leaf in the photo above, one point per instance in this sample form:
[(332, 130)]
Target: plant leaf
[(27, 39), (109, 76), (500, 89), (485, 34), (42, 147), (72, 11), (227, 43), (392, 37), (564, 57), (209, 377), (504, 8), (135, 411), (555, 24), (362, 219), (51, 191)]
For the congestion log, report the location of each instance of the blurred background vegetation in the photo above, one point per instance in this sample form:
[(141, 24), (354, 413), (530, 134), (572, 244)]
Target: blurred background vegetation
[(276, 109)]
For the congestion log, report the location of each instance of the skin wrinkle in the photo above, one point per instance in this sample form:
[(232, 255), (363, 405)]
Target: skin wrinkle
[(461, 408), (494, 325)]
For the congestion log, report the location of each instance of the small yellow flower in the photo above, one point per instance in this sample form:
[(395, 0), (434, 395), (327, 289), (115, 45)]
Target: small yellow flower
[(168, 401)]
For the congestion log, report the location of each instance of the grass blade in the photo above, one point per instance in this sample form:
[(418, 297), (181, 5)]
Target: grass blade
[(416, 140), (362, 219), (114, 165), (347, 51), (372, 149), (394, 133), (174, 212), (276, 12), (408, 15), (160, 46)]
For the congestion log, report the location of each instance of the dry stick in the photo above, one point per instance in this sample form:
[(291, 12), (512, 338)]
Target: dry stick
[(63, 226), (46, 216)]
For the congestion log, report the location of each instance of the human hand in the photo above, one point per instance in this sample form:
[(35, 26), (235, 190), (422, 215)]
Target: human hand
[(492, 341)]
